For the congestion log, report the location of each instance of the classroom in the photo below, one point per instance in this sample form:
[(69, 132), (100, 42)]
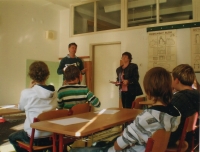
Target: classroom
[(42, 29)]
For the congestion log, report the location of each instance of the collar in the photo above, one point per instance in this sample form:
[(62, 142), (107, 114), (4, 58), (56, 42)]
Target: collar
[(70, 57)]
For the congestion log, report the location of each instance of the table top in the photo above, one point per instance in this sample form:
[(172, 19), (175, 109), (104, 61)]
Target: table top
[(98, 122), (9, 109)]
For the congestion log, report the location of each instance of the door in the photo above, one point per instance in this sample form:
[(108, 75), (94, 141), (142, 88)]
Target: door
[(106, 59)]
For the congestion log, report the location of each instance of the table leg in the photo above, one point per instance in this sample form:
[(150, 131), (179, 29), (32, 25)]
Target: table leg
[(54, 142), (60, 142)]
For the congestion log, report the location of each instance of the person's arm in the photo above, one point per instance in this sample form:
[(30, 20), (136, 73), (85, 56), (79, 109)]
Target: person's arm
[(133, 75), (23, 101), (60, 67), (82, 69), (60, 103), (131, 134), (92, 99)]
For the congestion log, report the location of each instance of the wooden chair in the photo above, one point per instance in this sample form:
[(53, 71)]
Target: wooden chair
[(189, 125), (42, 117), (135, 103), (80, 108), (158, 142)]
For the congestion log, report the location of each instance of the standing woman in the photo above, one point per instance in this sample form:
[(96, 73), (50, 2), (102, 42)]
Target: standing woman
[(128, 77)]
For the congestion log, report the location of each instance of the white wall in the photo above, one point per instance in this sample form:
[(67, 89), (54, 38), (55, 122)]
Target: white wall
[(134, 41), (22, 36)]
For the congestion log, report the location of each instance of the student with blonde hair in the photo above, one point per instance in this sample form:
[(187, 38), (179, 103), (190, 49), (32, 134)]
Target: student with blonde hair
[(186, 99)]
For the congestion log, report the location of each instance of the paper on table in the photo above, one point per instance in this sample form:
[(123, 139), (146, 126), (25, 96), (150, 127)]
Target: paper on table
[(9, 106), (107, 111), (114, 82), (69, 121)]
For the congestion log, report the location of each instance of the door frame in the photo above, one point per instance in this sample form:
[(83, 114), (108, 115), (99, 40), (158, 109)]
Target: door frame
[(91, 54), (92, 49)]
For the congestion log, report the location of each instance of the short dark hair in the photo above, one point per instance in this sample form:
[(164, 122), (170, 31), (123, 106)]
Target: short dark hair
[(71, 73), (72, 44), (128, 54), (38, 71), (184, 73), (158, 84)]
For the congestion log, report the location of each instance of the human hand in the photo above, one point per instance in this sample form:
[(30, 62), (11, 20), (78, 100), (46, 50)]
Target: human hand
[(83, 71), (125, 82), (64, 69), (32, 83)]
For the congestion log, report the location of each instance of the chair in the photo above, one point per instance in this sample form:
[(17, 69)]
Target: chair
[(42, 117), (135, 103), (80, 108), (76, 109), (158, 141), (189, 125)]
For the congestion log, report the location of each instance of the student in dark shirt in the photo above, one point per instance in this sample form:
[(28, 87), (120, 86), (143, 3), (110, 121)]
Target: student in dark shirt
[(186, 99)]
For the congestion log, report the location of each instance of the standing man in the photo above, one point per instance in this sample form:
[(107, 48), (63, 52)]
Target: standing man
[(127, 78), (71, 59)]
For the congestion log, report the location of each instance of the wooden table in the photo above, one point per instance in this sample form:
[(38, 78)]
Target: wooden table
[(9, 110), (98, 122)]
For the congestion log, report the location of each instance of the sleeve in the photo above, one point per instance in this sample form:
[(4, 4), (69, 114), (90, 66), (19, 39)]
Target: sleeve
[(92, 99), (133, 75), (60, 103), (138, 131), (60, 67), (117, 75), (81, 65), (23, 101)]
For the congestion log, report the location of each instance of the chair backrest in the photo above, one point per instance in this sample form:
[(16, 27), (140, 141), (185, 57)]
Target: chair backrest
[(161, 139), (189, 125), (149, 145), (80, 108), (53, 114), (135, 103), (192, 122)]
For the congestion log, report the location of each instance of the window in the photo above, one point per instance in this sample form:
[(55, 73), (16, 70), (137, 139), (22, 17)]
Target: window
[(84, 18), (106, 18), (142, 12), (175, 10), (104, 15)]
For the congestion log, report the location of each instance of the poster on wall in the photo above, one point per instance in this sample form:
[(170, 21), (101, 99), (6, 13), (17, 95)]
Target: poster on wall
[(162, 49), (195, 44)]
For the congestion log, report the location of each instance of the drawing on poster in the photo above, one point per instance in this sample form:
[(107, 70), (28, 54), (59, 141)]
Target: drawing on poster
[(195, 53), (162, 49)]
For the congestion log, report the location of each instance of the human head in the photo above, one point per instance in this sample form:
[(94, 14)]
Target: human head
[(72, 73), (128, 55), (74, 44), (72, 49), (38, 71), (157, 85), (184, 73)]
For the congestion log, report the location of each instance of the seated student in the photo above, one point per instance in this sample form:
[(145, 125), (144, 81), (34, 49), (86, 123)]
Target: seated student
[(157, 85), (186, 99), (35, 100), (72, 93), (196, 85)]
